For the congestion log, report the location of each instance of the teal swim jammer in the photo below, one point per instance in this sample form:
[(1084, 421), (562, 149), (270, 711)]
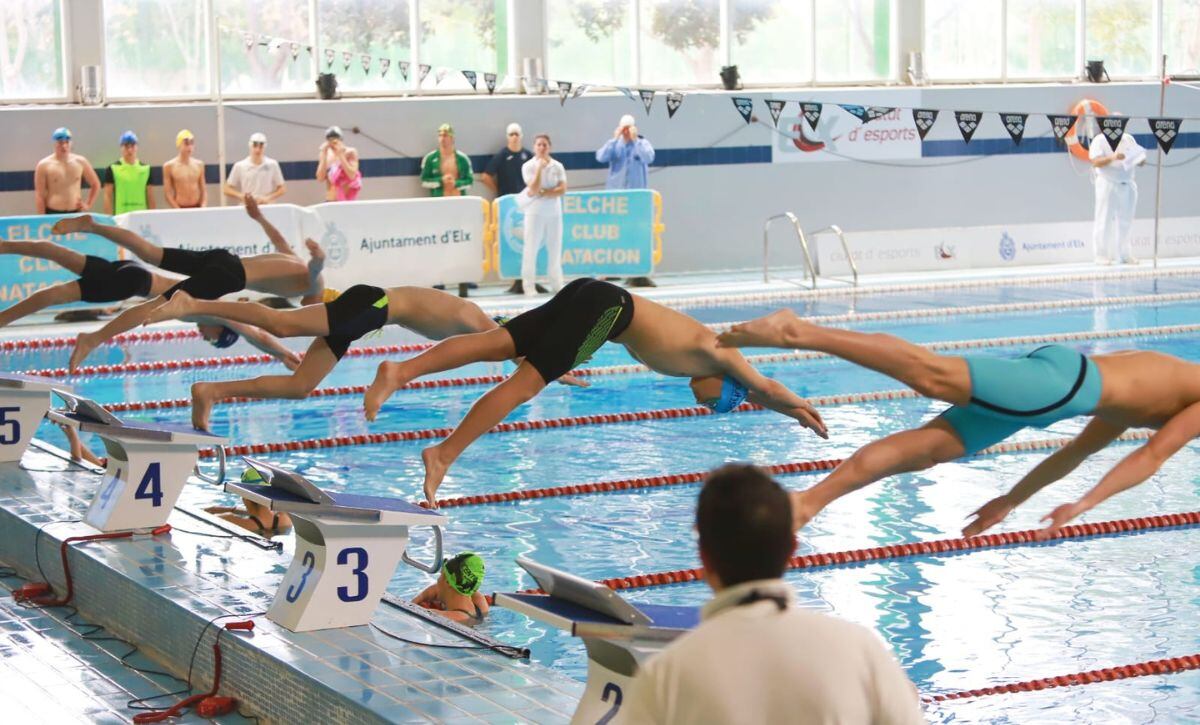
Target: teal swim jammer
[(1050, 384)]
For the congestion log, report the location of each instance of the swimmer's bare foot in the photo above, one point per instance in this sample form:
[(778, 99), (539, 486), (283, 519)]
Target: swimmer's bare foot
[(203, 397), (180, 305), (72, 224), (85, 342), (389, 378), (435, 471), (801, 513), (782, 328)]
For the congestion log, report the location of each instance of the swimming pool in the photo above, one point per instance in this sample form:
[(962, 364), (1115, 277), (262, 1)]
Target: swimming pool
[(961, 622)]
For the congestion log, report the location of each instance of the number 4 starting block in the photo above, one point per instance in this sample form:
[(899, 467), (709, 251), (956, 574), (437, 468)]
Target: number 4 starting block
[(148, 464), (347, 548), (24, 400)]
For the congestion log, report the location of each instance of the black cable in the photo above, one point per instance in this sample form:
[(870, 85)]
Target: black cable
[(503, 649), (37, 537)]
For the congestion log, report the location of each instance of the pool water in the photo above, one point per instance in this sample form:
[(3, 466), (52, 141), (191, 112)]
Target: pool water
[(959, 622)]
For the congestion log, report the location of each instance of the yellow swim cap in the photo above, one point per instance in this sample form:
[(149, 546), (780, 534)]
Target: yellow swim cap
[(184, 135), (330, 294)]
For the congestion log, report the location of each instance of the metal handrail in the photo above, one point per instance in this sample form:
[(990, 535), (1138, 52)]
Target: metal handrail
[(220, 477), (845, 247), (812, 271)]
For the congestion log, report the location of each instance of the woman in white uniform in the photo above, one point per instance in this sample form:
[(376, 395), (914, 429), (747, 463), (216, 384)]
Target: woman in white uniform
[(545, 183)]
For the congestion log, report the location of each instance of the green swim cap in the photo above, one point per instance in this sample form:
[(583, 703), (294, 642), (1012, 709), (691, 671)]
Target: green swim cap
[(251, 475), (464, 573)]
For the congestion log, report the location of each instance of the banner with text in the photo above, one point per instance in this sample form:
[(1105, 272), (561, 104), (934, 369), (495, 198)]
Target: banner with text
[(604, 233), (830, 132), (21, 276)]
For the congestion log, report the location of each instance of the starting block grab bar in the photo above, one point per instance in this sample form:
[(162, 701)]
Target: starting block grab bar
[(811, 266)]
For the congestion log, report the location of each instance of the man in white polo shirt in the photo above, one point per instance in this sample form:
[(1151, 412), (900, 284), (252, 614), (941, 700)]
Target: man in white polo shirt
[(1116, 196), (757, 657), (257, 175)]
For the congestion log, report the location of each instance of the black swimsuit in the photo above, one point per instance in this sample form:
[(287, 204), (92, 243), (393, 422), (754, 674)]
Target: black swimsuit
[(211, 274), (105, 281), (356, 312)]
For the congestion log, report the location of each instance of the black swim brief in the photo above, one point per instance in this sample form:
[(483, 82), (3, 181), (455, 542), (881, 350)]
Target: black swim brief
[(565, 332), (356, 312), (211, 274), (105, 281), (50, 211)]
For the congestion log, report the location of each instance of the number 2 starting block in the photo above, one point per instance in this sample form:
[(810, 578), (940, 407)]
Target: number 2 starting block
[(24, 400), (347, 548), (148, 464), (619, 636)]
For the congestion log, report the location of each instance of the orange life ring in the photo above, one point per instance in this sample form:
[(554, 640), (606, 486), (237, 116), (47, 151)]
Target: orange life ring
[(1082, 110)]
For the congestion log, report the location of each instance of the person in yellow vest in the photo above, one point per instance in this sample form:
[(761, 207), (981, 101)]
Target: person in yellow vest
[(127, 182)]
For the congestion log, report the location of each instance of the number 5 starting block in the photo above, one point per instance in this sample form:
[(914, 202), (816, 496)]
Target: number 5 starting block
[(619, 636), (347, 548), (24, 400), (148, 464)]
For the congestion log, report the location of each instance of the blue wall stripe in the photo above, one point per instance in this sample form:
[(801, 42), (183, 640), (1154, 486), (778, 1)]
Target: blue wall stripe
[(1039, 145)]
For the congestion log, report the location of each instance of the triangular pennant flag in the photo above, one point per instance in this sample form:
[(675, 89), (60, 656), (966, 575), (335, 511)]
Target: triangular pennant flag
[(1113, 127), (857, 111), (968, 123), (564, 90), (366, 61), (422, 72), (924, 118), (489, 80), (471, 78), (248, 40), (295, 48), (264, 39), (309, 48), (580, 89), (440, 75), (347, 56), (403, 68), (647, 99), (329, 57), (1014, 123), (775, 106), (1060, 125), (274, 45), (812, 114), (628, 93), (874, 112), (744, 106), (674, 101), (1166, 130), (384, 65)]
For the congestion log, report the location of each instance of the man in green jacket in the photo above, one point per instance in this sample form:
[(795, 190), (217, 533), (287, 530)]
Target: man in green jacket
[(446, 171), (127, 182)]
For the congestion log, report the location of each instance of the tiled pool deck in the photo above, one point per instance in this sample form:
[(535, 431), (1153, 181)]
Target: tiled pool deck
[(159, 593)]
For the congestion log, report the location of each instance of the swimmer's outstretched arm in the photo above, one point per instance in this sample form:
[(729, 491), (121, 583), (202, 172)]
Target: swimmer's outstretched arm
[(278, 241), (1133, 470), (1096, 435), (771, 393), (264, 341)]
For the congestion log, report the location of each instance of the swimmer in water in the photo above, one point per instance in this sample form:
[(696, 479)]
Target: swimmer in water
[(210, 274), (254, 516), (562, 334), (455, 595), (993, 398), (103, 281)]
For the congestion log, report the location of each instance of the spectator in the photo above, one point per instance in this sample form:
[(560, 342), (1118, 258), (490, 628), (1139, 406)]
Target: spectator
[(257, 175), (446, 171), (757, 657), (338, 168), (127, 182), (628, 156), (546, 181), (503, 175), (58, 179), (1116, 196), (183, 176)]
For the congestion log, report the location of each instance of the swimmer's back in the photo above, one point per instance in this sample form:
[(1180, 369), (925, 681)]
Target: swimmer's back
[(1144, 388), (435, 314)]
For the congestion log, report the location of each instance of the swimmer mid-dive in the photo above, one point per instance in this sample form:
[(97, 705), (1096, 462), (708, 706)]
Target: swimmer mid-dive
[(210, 274), (357, 311), (563, 333), (993, 398), (103, 281)]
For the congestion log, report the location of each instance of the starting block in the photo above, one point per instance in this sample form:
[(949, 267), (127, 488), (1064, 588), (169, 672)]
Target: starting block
[(347, 548), (148, 464), (619, 636), (24, 400)]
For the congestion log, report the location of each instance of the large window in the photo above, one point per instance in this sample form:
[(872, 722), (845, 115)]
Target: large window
[(156, 49), (680, 42), (1121, 33), (31, 55), (962, 39), (284, 64), (463, 35), (771, 40), (374, 28), (853, 40), (1181, 36), (590, 41), (1042, 38)]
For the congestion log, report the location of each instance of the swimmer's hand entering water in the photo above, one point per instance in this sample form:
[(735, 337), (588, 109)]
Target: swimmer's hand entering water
[(574, 381), (989, 514)]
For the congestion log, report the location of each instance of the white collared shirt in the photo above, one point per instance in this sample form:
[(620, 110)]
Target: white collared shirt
[(1121, 171)]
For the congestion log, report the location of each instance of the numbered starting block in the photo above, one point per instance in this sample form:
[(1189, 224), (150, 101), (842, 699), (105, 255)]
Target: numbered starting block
[(148, 464), (619, 636), (24, 400), (347, 548)]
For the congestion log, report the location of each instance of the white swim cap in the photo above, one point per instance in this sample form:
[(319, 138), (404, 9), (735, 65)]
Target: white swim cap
[(626, 120)]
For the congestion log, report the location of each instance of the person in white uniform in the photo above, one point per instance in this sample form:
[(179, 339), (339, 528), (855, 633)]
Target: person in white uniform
[(1116, 196), (545, 183)]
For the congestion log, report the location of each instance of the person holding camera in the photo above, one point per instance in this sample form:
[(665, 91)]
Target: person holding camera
[(628, 156), (338, 167)]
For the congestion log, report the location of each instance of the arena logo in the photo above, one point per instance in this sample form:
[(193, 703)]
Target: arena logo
[(336, 246), (1008, 248), (944, 251)]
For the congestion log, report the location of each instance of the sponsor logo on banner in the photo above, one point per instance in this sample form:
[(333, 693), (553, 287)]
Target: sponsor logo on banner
[(923, 119), (839, 137), (811, 113), (874, 112), (1113, 127), (489, 80), (674, 101), (21, 276), (968, 123), (944, 251), (647, 99), (336, 246), (1165, 130), (775, 107), (1008, 248), (1060, 125), (471, 78), (857, 111), (744, 106), (1014, 123)]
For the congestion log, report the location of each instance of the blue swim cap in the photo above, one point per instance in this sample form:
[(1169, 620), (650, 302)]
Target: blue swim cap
[(733, 393), (128, 137), (62, 133), (226, 338)]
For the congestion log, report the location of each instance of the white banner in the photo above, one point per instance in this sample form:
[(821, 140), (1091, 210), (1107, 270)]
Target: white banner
[(225, 227), (840, 136)]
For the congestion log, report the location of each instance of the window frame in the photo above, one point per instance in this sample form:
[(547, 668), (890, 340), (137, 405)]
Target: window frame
[(65, 60)]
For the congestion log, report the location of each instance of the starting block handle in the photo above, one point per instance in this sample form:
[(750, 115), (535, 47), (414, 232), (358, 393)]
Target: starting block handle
[(219, 479), (436, 566)]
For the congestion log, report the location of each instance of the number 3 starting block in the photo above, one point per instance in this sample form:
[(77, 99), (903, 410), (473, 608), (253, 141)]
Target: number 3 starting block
[(24, 400), (347, 548), (148, 464)]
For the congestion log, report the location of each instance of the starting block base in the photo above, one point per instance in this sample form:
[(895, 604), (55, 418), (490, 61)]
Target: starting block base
[(24, 400)]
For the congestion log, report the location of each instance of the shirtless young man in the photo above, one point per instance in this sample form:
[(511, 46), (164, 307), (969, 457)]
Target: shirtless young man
[(565, 332), (183, 176), (993, 398), (58, 178), (357, 311), (210, 275), (103, 281)]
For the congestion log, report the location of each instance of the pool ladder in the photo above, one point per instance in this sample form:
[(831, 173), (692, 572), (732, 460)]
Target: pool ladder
[(804, 247)]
